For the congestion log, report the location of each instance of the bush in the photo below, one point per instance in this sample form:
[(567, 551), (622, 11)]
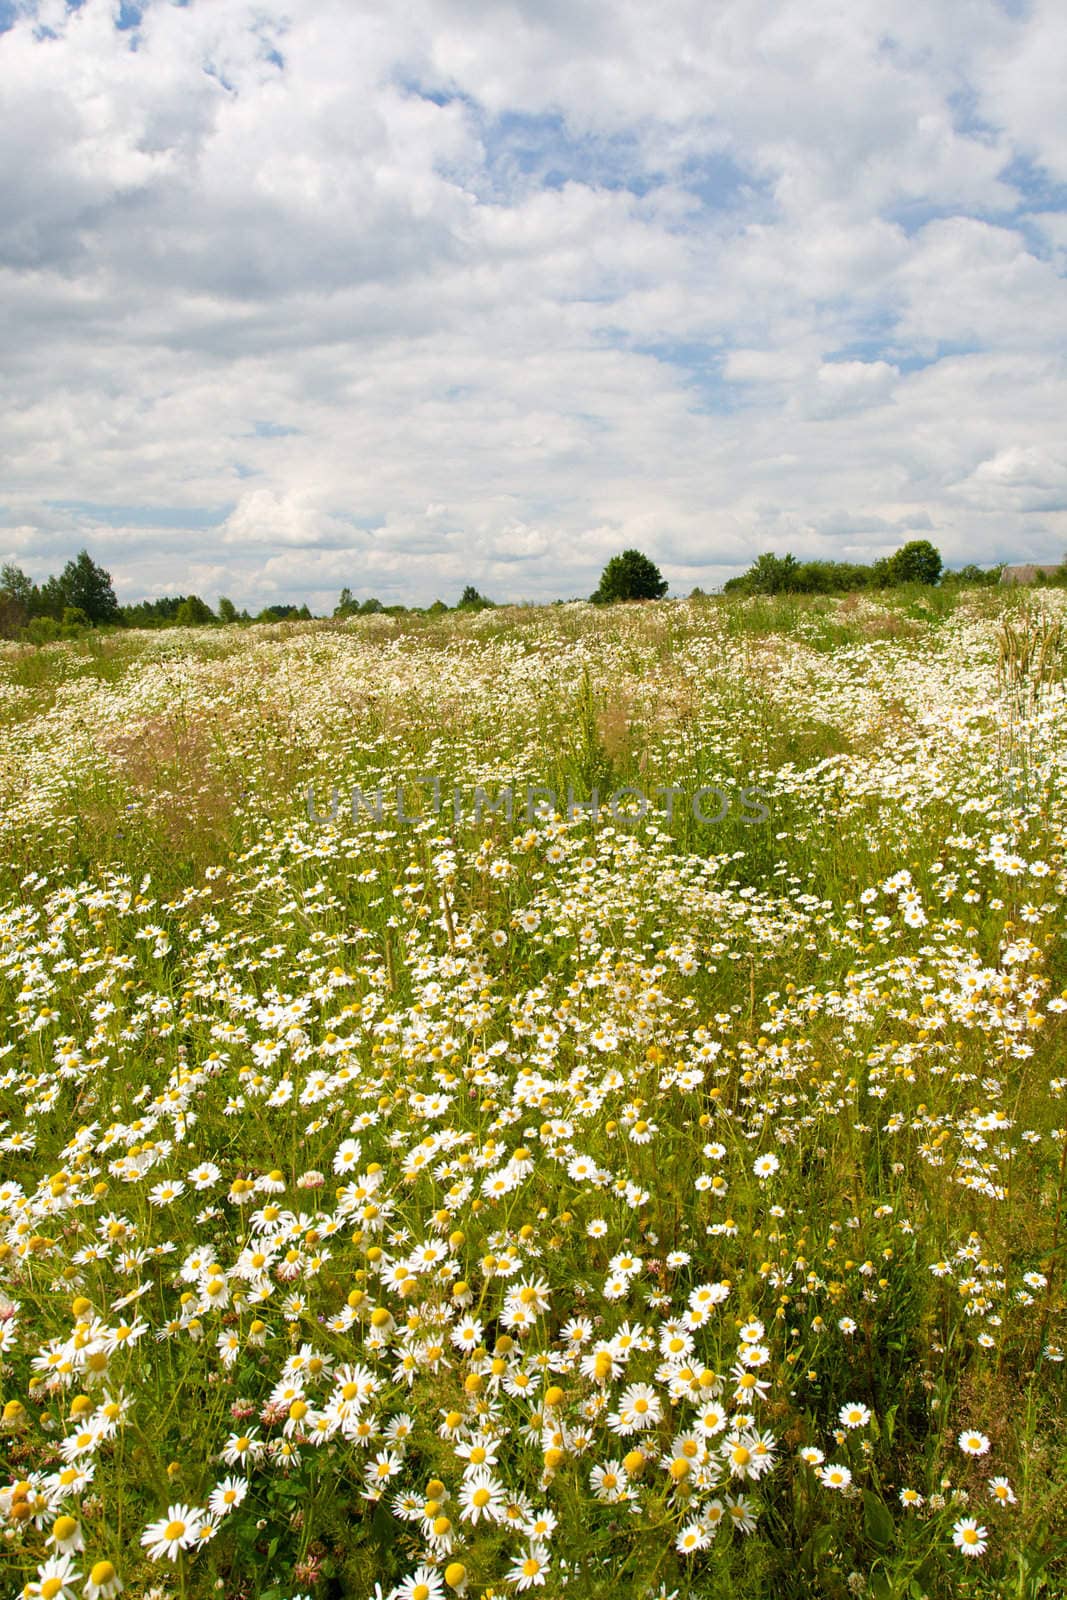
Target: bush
[(42, 630)]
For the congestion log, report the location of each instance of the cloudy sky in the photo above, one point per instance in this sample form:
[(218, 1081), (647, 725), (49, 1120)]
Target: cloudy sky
[(409, 296)]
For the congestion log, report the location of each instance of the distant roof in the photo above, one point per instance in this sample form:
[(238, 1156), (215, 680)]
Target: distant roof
[(1028, 573)]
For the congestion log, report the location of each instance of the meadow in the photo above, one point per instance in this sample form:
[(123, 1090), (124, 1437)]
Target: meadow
[(409, 1200)]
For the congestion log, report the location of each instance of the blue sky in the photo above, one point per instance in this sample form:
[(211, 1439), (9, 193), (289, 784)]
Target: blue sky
[(294, 298)]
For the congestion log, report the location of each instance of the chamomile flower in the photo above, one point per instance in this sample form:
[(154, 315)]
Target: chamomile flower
[(969, 1537), (530, 1570), (166, 1539), (103, 1582)]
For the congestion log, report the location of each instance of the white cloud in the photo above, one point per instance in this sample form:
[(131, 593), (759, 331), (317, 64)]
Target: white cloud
[(487, 292), (843, 387)]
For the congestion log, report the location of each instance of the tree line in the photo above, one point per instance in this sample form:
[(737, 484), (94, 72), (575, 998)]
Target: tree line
[(916, 562), (83, 596)]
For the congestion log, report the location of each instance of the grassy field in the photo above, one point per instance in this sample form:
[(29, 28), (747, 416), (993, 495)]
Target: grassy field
[(402, 1197)]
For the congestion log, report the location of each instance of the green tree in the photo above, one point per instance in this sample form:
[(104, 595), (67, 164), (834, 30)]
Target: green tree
[(227, 610), (82, 583), (346, 605), (15, 585), (50, 599), (17, 594), (970, 573), (771, 574), (471, 600), (74, 617), (194, 612), (918, 561), (629, 576), (159, 613)]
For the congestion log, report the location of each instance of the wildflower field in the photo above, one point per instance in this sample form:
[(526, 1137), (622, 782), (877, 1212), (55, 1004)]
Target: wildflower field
[(402, 1198)]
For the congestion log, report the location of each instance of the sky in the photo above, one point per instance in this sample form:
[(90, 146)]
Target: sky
[(406, 297)]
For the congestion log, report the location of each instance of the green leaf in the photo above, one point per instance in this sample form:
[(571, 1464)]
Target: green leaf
[(877, 1521), (815, 1549)]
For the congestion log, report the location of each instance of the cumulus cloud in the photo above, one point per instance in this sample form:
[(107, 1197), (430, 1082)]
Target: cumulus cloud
[(300, 297)]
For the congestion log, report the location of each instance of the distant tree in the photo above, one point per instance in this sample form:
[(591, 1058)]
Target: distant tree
[(918, 561), (971, 574), (471, 600), (276, 613), (629, 576), (74, 617), (15, 585), (50, 599), (697, 594), (436, 609), (771, 574), (346, 605), (161, 613), (82, 583), (13, 616), (17, 594), (194, 612), (371, 607), (227, 610)]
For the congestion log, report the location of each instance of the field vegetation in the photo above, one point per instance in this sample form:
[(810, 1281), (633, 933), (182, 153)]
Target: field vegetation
[(405, 1199)]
